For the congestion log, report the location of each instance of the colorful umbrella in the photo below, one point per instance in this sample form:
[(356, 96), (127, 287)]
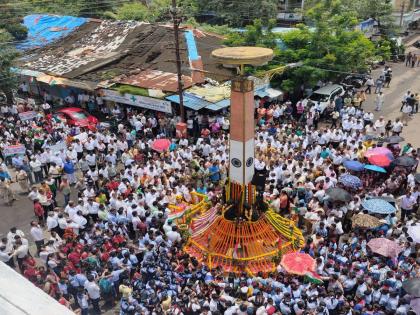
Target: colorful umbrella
[(350, 181), (389, 199), (353, 165), (379, 151), (369, 137), (412, 286), (338, 194), (365, 221), (405, 161), (161, 145), (378, 206), (379, 156), (414, 232), (298, 263), (380, 160), (384, 247), (375, 168), (394, 139)]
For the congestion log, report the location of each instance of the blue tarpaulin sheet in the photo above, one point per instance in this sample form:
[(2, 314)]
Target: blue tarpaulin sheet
[(219, 105), (45, 29), (191, 45), (190, 101)]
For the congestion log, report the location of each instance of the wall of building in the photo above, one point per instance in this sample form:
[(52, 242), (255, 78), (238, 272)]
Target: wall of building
[(18, 296)]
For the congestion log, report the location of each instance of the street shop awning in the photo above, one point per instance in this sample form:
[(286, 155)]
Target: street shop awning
[(156, 80), (268, 92), (52, 80), (219, 105), (27, 72), (190, 101)]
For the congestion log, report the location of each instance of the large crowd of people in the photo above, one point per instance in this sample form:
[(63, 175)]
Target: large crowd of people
[(103, 235)]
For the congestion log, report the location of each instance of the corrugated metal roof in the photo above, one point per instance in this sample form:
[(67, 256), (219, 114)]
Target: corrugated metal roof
[(211, 93), (219, 105), (157, 80), (272, 93), (190, 101), (52, 80)]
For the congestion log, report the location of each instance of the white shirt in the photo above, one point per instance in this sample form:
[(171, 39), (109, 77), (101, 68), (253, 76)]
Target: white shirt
[(4, 256), (22, 251), (397, 126), (51, 222), (37, 233), (173, 236), (93, 290), (33, 195), (80, 220), (92, 208)]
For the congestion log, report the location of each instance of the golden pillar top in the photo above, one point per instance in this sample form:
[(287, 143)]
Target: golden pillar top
[(243, 55)]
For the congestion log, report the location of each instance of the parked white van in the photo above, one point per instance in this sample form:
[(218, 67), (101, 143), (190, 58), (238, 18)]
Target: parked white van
[(324, 95)]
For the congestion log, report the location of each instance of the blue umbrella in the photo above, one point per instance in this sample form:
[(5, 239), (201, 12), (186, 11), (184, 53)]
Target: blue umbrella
[(378, 206), (350, 181), (375, 168), (353, 165)]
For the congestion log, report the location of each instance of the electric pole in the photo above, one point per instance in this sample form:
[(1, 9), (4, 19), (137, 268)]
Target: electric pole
[(177, 22), (402, 13)]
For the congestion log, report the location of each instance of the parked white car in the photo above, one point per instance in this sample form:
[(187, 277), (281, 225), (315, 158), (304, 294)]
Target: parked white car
[(324, 95)]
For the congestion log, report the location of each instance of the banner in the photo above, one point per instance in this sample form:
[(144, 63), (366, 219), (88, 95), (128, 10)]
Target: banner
[(58, 147), (14, 149), (28, 115), (137, 100)]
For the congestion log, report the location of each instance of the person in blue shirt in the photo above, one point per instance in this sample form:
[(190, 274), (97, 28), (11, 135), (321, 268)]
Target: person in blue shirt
[(112, 216), (4, 174), (325, 153), (214, 173), (202, 189), (17, 162), (69, 170), (172, 147)]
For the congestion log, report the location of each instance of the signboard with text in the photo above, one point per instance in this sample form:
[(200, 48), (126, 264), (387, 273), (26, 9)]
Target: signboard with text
[(137, 100), (28, 115), (14, 149)]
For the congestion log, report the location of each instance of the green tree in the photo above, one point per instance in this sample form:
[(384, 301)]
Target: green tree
[(95, 8), (133, 11), (326, 50), (10, 20), (238, 13), (157, 10), (63, 7), (256, 34), (380, 10), (11, 30)]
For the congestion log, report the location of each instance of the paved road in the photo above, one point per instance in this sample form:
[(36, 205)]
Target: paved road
[(404, 79)]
